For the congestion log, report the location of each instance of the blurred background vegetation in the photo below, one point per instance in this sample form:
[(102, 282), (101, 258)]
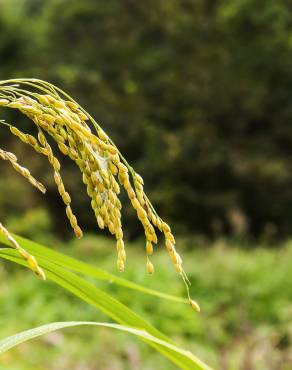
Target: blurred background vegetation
[(198, 96)]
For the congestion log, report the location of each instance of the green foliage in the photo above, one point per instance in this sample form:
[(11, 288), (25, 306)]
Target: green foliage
[(205, 84), (12, 341), (245, 297), (58, 272)]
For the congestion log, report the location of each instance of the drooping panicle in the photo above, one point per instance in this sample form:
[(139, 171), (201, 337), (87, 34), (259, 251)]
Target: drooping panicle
[(103, 169)]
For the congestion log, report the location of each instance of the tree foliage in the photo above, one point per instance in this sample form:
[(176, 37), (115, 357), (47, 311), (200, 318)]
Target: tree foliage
[(196, 93)]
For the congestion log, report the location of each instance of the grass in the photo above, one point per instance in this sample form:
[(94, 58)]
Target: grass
[(245, 296)]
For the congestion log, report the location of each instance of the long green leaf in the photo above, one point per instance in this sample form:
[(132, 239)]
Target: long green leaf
[(14, 340), (71, 263), (110, 306)]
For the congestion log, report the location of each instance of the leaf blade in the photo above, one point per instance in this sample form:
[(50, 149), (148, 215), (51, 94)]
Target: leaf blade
[(110, 306), (86, 269)]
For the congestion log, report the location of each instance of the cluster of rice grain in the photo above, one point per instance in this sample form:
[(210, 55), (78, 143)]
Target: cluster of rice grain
[(31, 261), (104, 170)]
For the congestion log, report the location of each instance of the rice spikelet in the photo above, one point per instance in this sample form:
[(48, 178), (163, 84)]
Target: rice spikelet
[(30, 259)]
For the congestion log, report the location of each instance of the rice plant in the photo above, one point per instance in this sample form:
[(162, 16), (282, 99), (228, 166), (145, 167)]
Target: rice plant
[(104, 170)]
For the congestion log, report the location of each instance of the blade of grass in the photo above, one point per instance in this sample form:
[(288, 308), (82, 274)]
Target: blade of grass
[(14, 340), (71, 263), (110, 306)]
